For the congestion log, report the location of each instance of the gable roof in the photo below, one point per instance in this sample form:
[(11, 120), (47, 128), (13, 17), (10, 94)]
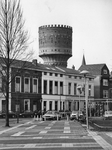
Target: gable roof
[(94, 69)]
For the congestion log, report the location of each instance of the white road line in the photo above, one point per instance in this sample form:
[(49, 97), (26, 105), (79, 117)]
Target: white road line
[(42, 132), (104, 144), (47, 127), (30, 146), (66, 131), (37, 137), (30, 127), (18, 133), (63, 137), (66, 128), (67, 145)]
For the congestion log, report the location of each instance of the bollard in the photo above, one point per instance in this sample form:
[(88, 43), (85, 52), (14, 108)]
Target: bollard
[(57, 117), (40, 117), (67, 117), (37, 118)]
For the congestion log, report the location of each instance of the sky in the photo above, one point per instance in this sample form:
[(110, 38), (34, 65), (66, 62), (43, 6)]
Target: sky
[(91, 21)]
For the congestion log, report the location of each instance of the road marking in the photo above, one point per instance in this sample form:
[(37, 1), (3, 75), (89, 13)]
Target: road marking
[(67, 131), (64, 137), (100, 141), (47, 127), (30, 127), (66, 128), (29, 145), (37, 137), (42, 132), (18, 133), (67, 145), (50, 145)]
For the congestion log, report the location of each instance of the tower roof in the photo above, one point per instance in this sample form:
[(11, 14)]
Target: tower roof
[(83, 60)]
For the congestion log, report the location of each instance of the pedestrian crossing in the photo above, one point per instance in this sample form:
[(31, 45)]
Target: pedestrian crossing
[(53, 134)]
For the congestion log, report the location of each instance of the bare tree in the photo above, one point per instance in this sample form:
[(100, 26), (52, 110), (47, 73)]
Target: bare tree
[(13, 41)]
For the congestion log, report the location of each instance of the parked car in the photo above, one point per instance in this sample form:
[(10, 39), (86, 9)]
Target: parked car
[(107, 115), (26, 114), (51, 115), (74, 115), (11, 114), (81, 116)]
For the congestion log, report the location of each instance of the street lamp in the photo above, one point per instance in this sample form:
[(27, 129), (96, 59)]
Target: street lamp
[(85, 73), (79, 87)]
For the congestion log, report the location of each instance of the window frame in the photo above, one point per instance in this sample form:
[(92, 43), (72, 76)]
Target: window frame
[(37, 85), (28, 84), (16, 83)]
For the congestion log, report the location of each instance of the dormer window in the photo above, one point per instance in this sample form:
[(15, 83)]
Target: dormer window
[(105, 71)]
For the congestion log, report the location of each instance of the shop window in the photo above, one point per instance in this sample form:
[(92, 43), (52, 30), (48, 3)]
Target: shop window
[(27, 105)]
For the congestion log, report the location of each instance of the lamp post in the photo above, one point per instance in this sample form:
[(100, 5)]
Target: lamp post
[(85, 73), (79, 87)]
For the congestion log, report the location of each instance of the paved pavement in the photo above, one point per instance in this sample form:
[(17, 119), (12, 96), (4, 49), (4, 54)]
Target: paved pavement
[(53, 135)]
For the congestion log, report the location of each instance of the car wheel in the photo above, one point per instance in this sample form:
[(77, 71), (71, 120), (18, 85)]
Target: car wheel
[(13, 116), (23, 116)]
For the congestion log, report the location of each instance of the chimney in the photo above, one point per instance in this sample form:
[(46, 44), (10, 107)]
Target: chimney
[(34, 61), (73, 67)]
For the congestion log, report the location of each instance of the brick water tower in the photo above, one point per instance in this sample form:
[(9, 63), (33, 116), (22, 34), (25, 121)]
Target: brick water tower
[(55, 44)]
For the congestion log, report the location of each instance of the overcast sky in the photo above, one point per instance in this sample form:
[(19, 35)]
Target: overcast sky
[(91, 21)]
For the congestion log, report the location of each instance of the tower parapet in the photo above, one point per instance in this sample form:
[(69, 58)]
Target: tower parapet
[(55, 44)]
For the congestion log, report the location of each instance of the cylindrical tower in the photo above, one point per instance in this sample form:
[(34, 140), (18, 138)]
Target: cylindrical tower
[(55, 44)]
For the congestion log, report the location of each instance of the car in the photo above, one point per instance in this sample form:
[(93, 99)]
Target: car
[(107, 115), (11, 114), (81, 116), (74, 115), (51, 115), (26, 114)]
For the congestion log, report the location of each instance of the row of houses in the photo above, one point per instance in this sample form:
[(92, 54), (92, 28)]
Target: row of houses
[(44, 87)]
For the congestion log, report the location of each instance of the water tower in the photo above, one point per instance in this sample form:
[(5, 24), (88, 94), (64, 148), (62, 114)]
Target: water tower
[(55, 44)]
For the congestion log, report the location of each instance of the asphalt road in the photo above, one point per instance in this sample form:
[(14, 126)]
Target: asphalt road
[(51, 135)]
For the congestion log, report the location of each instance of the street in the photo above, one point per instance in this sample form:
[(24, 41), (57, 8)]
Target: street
[(53, 135)]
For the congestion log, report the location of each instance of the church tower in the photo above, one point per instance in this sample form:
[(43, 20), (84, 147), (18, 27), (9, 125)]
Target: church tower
[(83, 60), (55, 44)]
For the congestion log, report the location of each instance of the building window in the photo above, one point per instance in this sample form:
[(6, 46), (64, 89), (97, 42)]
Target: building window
[(105, 71), (89, 92), (61, 75), (105, 82), (56, 74), (69, 88), (50, 74), (27, 105), (61, 88), (50, 87), (56, 105), (35, 86), (56, 87), (45, 87), (50, 105), (105, 93), (75, 88), (18, 84), (45, 73), (45, 105), (27, 85)]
